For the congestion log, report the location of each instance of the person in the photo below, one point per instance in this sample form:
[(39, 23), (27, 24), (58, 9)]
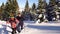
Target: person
[(13, 23), (20, 18)]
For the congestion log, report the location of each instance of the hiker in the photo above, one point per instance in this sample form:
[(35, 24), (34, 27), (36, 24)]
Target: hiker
[(20, 18), (13, 23)]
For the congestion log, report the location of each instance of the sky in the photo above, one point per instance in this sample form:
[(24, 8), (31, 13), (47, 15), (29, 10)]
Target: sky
[(22, 3)]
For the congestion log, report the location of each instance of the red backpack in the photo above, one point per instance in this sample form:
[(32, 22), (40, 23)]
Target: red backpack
[(13, 23)]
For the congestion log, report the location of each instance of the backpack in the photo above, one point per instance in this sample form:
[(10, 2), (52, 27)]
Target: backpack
[(13, 23)]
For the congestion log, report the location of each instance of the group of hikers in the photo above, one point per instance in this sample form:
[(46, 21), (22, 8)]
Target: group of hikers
[(16, 23)]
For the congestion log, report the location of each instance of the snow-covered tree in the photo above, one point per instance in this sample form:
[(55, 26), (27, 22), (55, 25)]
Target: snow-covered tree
[(41, 9)]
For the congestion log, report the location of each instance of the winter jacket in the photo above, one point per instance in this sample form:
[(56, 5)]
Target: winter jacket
[(13, 23), (20, 20)]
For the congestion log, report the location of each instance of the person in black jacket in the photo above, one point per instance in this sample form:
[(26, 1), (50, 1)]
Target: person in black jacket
[(20, 18)]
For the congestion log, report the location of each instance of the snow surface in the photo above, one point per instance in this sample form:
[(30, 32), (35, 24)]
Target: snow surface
[(30, 27), (5, 28), (42, 28)]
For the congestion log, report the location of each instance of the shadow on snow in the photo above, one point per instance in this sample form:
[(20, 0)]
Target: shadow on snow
[(3, 30), (57, 28)]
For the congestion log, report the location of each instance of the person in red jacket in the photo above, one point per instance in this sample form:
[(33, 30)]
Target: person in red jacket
[(13, 23)]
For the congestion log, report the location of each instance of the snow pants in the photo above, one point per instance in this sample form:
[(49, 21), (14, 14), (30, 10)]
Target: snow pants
[(20, 26)]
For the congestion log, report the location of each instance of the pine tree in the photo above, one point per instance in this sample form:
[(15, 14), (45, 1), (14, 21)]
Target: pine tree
[(58, 8), (39, 4), (9, 9), (44, 4), (40, 7), (52, 2), (1, 10), (27, 6), (51, 11), (15, 6), (12, 7), (34, 6), (33, 11), (26, 13)]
